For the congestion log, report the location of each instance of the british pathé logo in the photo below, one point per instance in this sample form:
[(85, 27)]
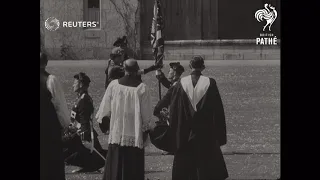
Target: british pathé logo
[(268, 15)]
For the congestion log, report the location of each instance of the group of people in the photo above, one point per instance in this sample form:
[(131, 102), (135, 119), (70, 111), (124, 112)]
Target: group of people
[(195, 129)]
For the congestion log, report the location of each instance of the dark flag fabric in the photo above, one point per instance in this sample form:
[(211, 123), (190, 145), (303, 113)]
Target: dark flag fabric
[(157, 39)]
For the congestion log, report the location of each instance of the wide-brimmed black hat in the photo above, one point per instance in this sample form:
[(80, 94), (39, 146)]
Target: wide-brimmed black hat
[(162, 137)]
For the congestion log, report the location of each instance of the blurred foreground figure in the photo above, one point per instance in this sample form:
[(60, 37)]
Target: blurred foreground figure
[(51, 152), (127, 102), (198, 126), (55, 88), (83, 147)]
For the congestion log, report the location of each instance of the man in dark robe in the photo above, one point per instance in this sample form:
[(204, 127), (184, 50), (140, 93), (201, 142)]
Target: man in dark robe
[(174, 75), (51, 152), (175, 72), (197, 121)]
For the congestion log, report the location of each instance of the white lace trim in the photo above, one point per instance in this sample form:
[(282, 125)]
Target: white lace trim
[(126, 141)]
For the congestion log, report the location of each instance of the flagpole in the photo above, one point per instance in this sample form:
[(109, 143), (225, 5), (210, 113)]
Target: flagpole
[(157, 41), (159, 83)]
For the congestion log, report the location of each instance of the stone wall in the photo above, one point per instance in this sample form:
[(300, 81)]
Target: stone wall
[(118, 18), (216, 50)]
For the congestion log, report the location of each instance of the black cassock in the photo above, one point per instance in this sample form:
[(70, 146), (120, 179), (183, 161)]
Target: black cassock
[(51, 152), (198, 129)]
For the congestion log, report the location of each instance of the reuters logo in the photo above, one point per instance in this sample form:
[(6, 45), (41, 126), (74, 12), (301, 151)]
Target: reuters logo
[(52, 24)]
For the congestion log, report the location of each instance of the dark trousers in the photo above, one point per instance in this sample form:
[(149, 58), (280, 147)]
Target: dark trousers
[(51, 162), (77, 154), (196, 162), (124, 163)]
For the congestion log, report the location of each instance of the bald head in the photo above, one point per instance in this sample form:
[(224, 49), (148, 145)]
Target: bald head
[(131, 66)]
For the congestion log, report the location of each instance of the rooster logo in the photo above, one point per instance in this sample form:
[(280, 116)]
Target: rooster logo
[(266, 14)]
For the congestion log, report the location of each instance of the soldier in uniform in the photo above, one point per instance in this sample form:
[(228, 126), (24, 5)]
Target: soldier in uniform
[(175, 72), (80, 150)]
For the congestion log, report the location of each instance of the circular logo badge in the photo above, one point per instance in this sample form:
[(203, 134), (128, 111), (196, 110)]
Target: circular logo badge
[(52, 24)]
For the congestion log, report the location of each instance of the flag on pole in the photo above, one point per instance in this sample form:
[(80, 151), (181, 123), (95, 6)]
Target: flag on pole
[(157, 41)]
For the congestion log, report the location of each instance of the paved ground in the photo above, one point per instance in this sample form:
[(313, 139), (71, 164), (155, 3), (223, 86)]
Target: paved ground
[(250, 92)]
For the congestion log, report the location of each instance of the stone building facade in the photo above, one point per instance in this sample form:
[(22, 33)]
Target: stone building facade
[(118, 18), (231, 35)]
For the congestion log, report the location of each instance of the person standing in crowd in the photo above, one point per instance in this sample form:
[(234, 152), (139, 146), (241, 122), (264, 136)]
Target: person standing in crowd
[(123, 43), (78, 148), (115, 70), (175, 72), (127, 102), (198, 124), (51, 151), (114, 65)]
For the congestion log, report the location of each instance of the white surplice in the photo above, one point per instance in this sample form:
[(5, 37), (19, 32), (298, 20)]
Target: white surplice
[(130, 112)]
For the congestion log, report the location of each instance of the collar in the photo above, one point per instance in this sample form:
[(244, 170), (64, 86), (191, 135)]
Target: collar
[(81, 94), (197, 73)]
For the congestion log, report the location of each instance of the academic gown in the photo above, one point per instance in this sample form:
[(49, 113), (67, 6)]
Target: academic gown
[(197, 124)]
